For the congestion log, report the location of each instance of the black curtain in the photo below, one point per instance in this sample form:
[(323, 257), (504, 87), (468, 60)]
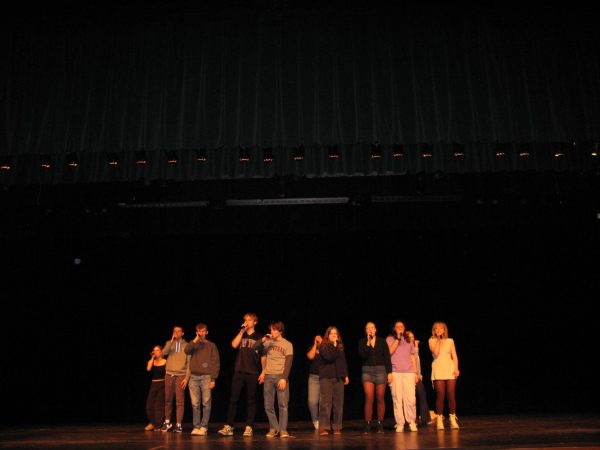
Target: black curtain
[(280, 76)]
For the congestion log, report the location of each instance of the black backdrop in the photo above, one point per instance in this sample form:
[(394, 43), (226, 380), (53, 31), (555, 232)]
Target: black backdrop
[(514, 278)]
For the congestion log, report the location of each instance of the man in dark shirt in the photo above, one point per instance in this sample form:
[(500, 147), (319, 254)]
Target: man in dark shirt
[(248, 366)]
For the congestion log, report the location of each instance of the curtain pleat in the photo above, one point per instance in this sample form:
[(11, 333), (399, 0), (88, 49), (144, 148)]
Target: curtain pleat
[(279, 81)]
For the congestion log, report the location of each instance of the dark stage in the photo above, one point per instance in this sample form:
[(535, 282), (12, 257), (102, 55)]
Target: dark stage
[(170, 163), (483, 432)]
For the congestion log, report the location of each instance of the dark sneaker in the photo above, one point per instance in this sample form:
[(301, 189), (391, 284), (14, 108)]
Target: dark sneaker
[(166, 426), (367, 428), (379, 428), (178, 428)]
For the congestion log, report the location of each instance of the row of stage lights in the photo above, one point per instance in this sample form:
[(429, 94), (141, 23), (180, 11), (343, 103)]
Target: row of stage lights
[(457, 150)]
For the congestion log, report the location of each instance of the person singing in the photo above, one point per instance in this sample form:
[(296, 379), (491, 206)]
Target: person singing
[(444, 372), (376, 372), (333, 376)]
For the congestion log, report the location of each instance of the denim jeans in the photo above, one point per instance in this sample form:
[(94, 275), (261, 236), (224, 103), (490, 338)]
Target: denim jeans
[(270, 387), (314, 393), (200, 392)]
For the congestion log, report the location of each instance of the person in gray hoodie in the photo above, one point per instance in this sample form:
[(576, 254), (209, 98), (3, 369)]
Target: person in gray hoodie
[(177, 377), (204, 367)]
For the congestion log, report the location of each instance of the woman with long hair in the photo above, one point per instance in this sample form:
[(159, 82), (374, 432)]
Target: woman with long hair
[(333, 376), (444, 372), (404, 371), (155, 402), (376, 373)]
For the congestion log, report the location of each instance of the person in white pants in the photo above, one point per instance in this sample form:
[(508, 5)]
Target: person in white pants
[(405, 375)]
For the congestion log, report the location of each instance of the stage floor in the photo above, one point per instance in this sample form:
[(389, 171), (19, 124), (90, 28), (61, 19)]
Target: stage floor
[(481, 432)]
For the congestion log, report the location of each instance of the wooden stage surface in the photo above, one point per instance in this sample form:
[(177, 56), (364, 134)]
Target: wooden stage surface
[(480, 432)]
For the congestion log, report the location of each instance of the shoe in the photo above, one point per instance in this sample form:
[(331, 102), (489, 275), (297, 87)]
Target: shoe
[(440, 422), (272, 433), (226, 430), (379, 428), (337, 432), (412, 426), (178, 428), (453, 422), (195, 432), (248, 431), (316, 424), (432, 416), (284, 435), (399, 428), (166, 426), (323, 432), (149, 427), (367, 428), (203, 431)]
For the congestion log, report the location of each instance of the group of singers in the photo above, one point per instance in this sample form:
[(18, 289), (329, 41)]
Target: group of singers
[(267, 360)]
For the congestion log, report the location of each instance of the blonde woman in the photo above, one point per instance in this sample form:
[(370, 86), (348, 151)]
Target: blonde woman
[(444, 372)]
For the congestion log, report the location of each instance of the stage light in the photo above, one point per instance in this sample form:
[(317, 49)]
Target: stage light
[(333, 152), (559, 149), (287, 201), (112, 159), (267, 155), (298, 153), (72, 160), (201, 155), (375, 151), (244, 154), (501, 149), (524, 150), (458, 150), (398, 151), (140, 158), (172, 157), (595, 149), (426, 150), (45, 161), (6, 163)]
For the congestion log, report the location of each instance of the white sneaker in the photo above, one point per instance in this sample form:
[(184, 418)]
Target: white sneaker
[(316, 424), (226, 430), (453, 422), (440, 422), (203, 431), (399, 428), (195, 432), (412, 426), (248, 431)]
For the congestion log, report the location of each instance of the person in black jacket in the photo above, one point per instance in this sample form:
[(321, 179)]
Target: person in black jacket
[(333, 376), (376, 373)]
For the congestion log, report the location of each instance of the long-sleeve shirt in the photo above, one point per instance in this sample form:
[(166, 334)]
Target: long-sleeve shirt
[(378, 356), (333, 362), (204, 358), (279, 353), (177, 360)]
